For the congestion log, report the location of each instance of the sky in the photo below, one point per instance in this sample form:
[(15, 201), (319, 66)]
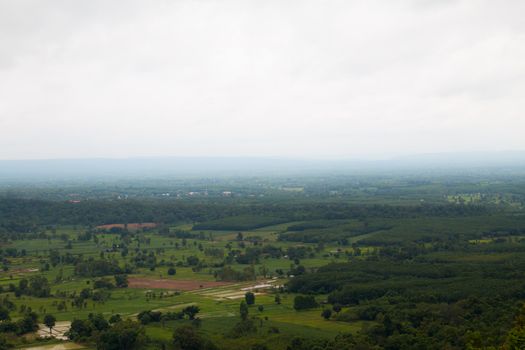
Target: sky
[(296, 78)]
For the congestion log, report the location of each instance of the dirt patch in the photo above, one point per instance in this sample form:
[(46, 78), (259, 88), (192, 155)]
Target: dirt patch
[(57, 332), (183, 285), (131, 227)]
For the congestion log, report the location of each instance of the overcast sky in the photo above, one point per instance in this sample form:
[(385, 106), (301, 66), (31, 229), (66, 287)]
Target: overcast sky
[(260, 78)]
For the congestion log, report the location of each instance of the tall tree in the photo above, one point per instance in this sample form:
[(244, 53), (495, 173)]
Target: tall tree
[(243, 309), (250, 298), (50, 321)]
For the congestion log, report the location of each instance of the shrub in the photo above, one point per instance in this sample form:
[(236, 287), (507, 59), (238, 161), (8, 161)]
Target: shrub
[(303, 302)]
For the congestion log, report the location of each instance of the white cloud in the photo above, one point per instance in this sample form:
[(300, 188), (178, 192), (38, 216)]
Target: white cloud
[(295, 78)]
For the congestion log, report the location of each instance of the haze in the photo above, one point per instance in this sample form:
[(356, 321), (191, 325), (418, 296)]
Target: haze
[(308, 79)]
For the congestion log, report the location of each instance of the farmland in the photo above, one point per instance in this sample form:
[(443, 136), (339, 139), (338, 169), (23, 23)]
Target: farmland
[(395, 265)]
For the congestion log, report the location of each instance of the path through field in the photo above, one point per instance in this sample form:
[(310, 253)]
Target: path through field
[(183, 285), (63, 346)]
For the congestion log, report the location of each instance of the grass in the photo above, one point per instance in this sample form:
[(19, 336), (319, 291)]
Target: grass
[(218, 313), (131, 301)]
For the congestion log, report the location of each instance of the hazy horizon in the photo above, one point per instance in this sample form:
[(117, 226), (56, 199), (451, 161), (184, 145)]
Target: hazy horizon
[(493, 164), (481, 154), (298, 79)]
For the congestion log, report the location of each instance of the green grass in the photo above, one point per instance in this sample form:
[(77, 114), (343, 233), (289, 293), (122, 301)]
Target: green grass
[(219, 316)]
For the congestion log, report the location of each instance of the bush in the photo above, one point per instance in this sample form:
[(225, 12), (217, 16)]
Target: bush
[(326, 314), (146, 317), (245, 327), (187, 338), (303, 302), (103, 283)]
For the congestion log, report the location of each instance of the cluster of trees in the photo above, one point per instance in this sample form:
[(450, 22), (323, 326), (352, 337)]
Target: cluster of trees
[(440, 328), (420, 304), (112, 334), (304, 302), (374, 273), (37, 286), (227, 273), (468, 324), (98, 268), (98, 295), (29, 215), (147, 259), (56, 258), (26, 324), (345, 341), (253, 255), (146, 317), (187, 338)]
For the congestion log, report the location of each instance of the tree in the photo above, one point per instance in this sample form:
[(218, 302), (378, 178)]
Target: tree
[(259, 347), (516, 336), (115, 318), (192, 260), (22, 285), (243, 309), (121, 281), (327, 313), (4, 314), (149, 316), (94, 268), (103, 283), (86, 293), (516, 339), (98, 321), (250, 298), (187, 338), (191, 311), (4, 344), (124, 335), (50, 321), (37, 286), (337, 308), (243, 328), (28, 323), (80, 329)]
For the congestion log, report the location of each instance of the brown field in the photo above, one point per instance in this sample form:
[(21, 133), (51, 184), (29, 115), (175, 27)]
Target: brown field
[(21, 271), (131, 227), (184, 285)]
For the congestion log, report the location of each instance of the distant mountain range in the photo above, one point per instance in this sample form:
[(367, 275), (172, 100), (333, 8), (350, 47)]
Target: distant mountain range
[(246, 166)]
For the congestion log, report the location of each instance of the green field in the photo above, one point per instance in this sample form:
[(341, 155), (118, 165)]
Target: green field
[(387, 264)]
